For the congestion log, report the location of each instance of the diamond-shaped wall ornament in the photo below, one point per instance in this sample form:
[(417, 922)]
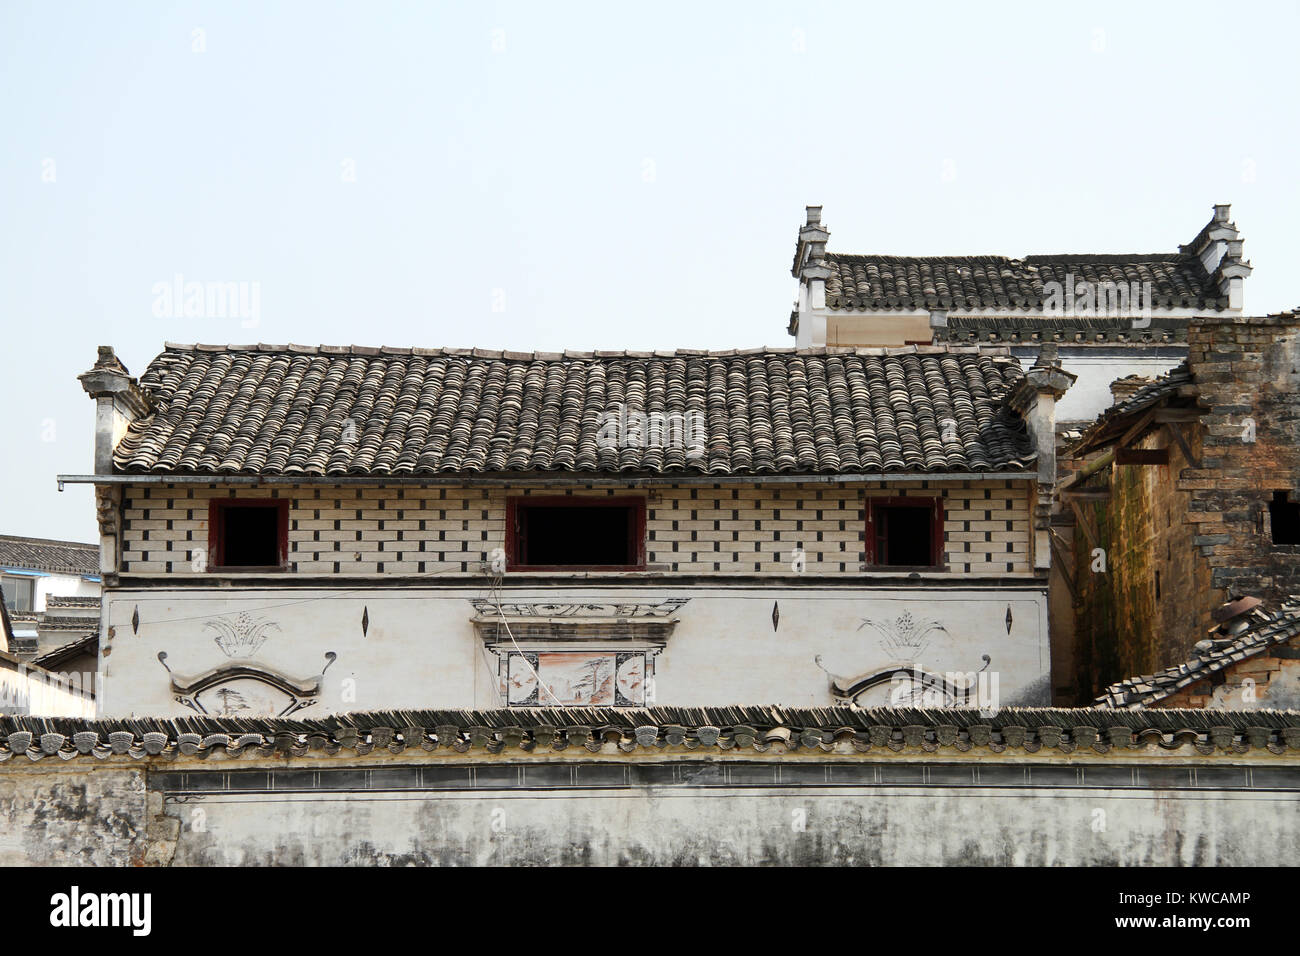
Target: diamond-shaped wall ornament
[(776, 614), (1008, 618), (365, 621), (135, 620)]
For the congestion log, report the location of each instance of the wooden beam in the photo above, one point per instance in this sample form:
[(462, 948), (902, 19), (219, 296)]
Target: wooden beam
[(1164, 415), (1089, 494), (1142, 456), (1085, 522), (1059, 553), (1177, 434), (1088, 470), (1138, 428)]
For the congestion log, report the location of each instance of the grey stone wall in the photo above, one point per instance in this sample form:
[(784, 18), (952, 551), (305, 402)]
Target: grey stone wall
[(685, 812), (80, 815)]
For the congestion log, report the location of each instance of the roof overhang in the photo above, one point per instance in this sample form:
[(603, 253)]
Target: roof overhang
[(527, 479)]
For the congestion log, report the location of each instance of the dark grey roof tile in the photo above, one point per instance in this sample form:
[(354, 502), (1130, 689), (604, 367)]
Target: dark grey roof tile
[(1263, 629), (44, 554), (873, 282), (359, 412)]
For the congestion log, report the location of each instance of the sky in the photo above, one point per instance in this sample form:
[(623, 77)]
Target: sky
[(563, 175)]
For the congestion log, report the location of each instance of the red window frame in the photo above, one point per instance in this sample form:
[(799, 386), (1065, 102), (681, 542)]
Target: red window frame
[(872, 549), (515, 535), (216, 532)]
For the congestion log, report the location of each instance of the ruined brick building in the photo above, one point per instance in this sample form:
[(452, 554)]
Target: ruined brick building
[(1186, 495)]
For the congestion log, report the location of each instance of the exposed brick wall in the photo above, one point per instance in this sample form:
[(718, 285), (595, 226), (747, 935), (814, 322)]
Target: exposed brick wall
[(1267, 680), (1199, 535), (1247, 369), (1133, 616), (731, 528)]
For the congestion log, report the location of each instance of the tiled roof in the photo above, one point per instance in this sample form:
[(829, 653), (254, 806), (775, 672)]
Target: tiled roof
[(1227, 646), (292, 410), (53, 658), (1116, 420), (72, 601), (65, 622), (1071, 330), (768, 730), (43, 554), (867, 282)]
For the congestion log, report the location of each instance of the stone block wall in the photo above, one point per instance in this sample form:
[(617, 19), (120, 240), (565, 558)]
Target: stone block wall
[(1132, 616), (1179, 540), (1248, 372)]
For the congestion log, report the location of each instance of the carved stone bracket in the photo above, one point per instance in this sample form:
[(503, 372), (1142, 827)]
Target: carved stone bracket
[(107, 512)]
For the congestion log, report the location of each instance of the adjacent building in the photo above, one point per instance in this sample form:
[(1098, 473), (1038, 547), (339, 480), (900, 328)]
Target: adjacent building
[(1184, 497), (1110, 315), (349, 528), (27, 688), (51, 592)]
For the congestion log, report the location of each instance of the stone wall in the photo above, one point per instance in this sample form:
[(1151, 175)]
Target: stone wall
[(1248, 372), (1132, 617), (1179, 540), (393, 812), (720, 528), (73, 815)]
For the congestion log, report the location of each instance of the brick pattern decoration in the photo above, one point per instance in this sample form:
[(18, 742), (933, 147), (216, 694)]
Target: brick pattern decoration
[(734, 529)]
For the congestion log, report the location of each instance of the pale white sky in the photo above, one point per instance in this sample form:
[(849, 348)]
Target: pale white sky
[(566, 175)]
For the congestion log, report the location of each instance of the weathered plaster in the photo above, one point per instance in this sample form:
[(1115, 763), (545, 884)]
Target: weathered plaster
[(719, 811), (419, 648), (59, 815)]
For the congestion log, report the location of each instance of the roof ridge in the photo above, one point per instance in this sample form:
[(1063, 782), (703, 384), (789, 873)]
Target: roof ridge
[(994, 257), (983, 257), (541, 355), (54, 541)]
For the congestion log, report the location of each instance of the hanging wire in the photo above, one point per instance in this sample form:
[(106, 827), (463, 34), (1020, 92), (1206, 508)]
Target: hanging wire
[(495, 585)]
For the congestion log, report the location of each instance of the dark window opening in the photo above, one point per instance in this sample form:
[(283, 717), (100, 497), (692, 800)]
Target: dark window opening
[(249, 535), (905, 533), (605, 533), (20, 593), (1284, 516)]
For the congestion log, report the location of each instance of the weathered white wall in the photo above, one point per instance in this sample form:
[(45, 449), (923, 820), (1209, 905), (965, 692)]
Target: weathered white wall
[(71, 815), (60, 585), (25, 689), (114, 814), (419, 649), (63, 585), (737, 527), (1090, 395), (852, 827)]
